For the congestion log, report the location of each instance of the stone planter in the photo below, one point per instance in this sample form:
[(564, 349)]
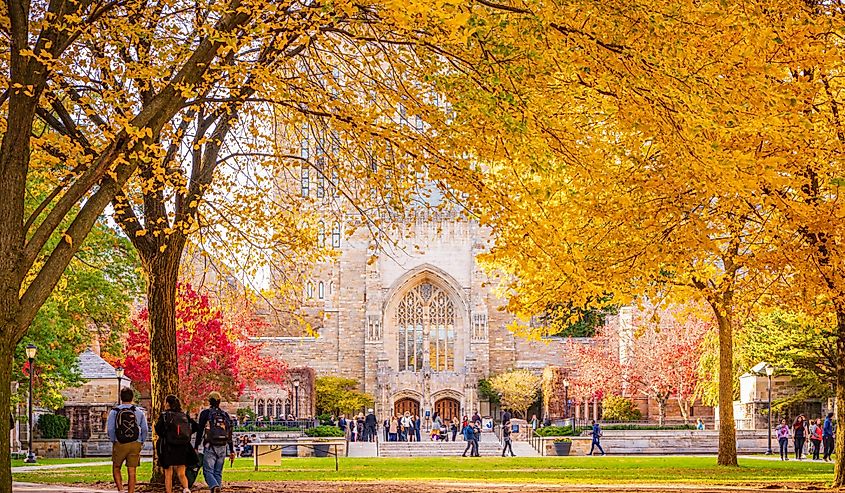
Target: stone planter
[(562, 448), (289, 451), (321, 450)]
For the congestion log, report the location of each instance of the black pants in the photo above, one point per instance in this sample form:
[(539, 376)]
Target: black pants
[(469, 448), (508, 447), (784, 448), (816, 446), (828, 447), (799, 447)]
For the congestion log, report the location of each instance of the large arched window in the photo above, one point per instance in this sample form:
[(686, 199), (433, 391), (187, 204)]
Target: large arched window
[(259, 409), (442, 332), (426, 309)]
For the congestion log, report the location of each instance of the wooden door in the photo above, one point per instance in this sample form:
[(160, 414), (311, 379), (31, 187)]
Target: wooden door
[(410, 405), (448, 408)]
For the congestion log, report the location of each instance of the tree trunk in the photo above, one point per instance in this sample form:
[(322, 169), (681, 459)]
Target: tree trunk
[(839, 466), (162, 271), (727, 426), (6, 353), (661, 410)]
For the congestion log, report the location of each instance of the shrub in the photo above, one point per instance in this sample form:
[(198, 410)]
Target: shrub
[(554, 431), (618, 408), (245, 413), (53, 426), (325, 419), (324, 431)]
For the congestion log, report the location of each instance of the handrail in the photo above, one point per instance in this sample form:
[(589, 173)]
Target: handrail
[(536, 441)]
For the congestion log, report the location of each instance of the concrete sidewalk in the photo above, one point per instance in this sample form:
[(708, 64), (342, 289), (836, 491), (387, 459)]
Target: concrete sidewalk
[(47, 467)]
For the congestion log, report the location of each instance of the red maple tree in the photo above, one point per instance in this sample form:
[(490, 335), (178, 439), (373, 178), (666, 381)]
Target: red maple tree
[(214, 353), (660, 361)]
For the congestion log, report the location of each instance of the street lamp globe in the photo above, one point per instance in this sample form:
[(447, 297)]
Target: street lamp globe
[(119, 372), (30, 351), (770, 370), (566, 383)]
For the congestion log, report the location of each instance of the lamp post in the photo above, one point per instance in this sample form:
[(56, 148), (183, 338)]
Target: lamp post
[(770, 370), (119, 372), (566, 398), (296, 398), (31, 350)]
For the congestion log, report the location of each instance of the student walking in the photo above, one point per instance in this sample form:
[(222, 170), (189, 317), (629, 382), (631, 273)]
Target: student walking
[(827, 436), (596, 433), (174, 429), (468, 437), (453, 427), (418, 427), (506, 439), (128, 430), (394, 428), (816, 437), (215, 433), (782, 432), (799, 436)]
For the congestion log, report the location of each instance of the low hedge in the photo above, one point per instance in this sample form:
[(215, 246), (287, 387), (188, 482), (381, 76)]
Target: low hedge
[(648, 427), (324, 431), (555, 431)]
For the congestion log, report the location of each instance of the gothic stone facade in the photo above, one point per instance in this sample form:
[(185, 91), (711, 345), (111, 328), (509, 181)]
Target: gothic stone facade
[(416, 322)]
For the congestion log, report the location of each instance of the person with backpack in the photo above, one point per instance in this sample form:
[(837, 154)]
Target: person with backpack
[(215, 433), (128, 430), (174, 429)]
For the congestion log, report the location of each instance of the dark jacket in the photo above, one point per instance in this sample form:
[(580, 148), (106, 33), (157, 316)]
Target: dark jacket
[(827, 429), (370, 420), (204, 421), (468, 433)]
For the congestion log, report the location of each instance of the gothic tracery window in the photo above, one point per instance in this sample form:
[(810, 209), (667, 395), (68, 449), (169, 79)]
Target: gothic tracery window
[(426, 309)]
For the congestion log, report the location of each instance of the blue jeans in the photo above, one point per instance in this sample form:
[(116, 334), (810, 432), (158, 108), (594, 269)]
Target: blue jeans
[(214, 457), (595, 444)]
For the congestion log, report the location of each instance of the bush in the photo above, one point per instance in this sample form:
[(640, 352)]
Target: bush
[(618, 408), (325, 419), (324, 431), (554, 431), (245, 413), (53, 426)]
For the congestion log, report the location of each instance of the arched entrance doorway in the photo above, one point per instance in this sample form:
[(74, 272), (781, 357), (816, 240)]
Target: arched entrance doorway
[(412, 406), (448, 408)]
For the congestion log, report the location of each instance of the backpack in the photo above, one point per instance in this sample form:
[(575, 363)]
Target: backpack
[(178, 429), (217, 429), (126, 428)]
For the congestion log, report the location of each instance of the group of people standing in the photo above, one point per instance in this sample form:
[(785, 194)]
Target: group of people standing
[(359, 428), (820, 434), (128, 430)]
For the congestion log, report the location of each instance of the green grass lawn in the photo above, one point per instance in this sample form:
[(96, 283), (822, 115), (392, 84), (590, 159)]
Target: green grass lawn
[(44, 462), (562, 470)]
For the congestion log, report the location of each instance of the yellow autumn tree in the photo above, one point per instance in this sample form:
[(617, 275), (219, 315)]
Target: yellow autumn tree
[(639, 148), (517, 389), (138, 104)]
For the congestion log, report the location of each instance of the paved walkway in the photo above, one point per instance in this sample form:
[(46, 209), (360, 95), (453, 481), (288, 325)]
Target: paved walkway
[(362, 449)]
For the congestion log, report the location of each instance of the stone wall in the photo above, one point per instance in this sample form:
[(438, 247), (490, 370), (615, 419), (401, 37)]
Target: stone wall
[(664, 442), (57, 449)]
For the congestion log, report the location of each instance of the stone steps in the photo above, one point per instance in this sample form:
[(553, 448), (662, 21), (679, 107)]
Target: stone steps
[(435, 449)]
